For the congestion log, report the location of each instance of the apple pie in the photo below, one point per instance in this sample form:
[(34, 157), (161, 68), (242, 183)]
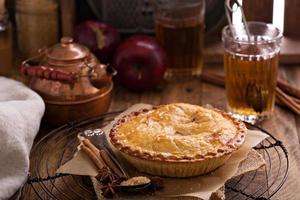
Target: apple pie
[(177, 140)]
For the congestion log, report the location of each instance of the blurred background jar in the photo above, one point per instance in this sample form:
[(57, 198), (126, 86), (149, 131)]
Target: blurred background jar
[(5, 41), (37, 25), (179, 28)]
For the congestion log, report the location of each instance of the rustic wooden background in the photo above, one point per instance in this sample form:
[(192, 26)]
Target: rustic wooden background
[(283, 124)]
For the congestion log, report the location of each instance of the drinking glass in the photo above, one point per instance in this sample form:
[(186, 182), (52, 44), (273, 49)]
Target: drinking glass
[(179, 26), (251, 63)]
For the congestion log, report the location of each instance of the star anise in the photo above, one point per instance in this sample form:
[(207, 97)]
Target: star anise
[(109, 182), (109, 190), (105, 176), (156, 184)]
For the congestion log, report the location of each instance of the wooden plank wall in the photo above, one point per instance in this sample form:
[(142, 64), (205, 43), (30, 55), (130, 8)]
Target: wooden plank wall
[(262, 10), (291, 20), (258, 10)]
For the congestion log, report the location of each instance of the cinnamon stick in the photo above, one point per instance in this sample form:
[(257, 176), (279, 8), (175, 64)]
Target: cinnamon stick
[(213, 78), (92, 151), (296, 100), (90, 145), (288, 88), (110, 163), (288, 101), (99, 156), (94, 157)]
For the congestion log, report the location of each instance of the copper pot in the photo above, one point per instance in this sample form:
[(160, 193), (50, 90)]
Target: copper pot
[(71, 81)]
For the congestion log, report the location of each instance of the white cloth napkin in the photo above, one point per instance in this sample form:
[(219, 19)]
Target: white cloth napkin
[(21, 111)]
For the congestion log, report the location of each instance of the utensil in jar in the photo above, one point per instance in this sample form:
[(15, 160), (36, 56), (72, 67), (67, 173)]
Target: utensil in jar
[(229, 11)]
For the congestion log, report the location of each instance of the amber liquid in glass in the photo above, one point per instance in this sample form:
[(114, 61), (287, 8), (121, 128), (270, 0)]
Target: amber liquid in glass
[(250, 84), (182, 40)]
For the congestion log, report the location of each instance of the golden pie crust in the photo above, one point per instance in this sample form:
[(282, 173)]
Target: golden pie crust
[(177, 140)]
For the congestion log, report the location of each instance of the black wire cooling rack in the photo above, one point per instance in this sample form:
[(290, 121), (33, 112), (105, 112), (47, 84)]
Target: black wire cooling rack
[(58, 146)]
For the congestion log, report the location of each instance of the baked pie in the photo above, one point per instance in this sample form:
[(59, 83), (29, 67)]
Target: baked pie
[(177, 140)]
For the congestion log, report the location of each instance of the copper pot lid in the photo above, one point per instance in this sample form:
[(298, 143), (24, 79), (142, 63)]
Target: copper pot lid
[(67, 50)]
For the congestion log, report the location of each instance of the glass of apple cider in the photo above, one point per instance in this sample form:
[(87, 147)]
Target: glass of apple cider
[(179, 28), (251, 63)]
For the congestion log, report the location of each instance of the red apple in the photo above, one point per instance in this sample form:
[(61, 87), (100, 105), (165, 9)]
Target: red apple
[(140, 62), (101, 38)]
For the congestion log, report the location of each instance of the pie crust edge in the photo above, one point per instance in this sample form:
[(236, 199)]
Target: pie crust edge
[(236, 143)]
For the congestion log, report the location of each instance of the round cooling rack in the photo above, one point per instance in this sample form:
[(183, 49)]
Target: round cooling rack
[(58, 146)]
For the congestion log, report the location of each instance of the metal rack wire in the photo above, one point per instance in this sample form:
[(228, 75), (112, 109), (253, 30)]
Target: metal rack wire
[(59, 145)]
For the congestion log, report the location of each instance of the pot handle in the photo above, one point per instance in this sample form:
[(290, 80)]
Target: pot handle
[(46, 72), (49, 74)]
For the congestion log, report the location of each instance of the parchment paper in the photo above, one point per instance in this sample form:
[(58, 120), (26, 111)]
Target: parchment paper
[(200, 187)]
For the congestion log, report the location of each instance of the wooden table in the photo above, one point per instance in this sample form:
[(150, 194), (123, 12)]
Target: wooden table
[(283, 124)]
